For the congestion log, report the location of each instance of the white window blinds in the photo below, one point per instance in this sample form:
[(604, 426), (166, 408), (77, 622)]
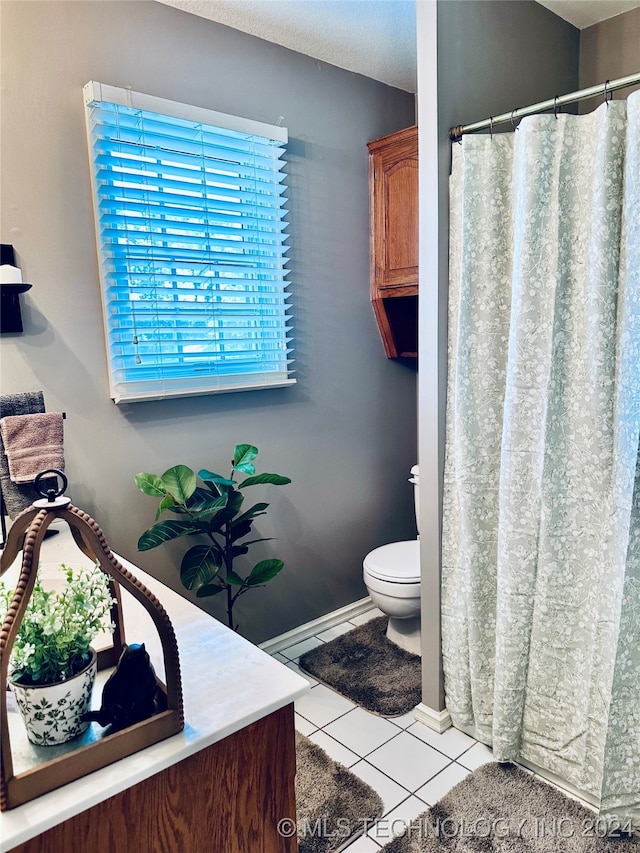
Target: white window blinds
[(189, 207)]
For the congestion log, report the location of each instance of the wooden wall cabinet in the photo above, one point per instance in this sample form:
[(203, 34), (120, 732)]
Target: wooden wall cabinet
[(393, 186)]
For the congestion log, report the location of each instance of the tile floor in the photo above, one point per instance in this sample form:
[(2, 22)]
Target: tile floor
[(408, 764)]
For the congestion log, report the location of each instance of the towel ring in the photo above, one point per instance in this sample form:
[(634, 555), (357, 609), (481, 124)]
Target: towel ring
[(51, 494)]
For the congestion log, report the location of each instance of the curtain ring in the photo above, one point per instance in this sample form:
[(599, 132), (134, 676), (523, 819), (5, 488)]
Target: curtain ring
[(610, 95), (491, 126), (555, 106), (511, 119)]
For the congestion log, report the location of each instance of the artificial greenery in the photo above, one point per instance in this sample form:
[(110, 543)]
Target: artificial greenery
[(212, 510), (53, 641)]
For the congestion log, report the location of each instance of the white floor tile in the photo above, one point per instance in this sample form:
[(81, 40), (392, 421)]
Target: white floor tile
[(404, 721), (294, 652), (441, 784), (408, 761), (322, 705), (334, 749), (361, 731), (294, 666), (336, 631), (453, 742), (366, 616), (364, 844), (304, 726), (476, 756), (392, 794), (398, 820)]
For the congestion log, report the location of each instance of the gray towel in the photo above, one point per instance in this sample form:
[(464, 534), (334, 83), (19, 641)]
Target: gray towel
[(17, 497)]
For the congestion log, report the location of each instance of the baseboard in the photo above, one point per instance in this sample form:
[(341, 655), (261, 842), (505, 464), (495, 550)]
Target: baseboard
[(439, 721), (559, 782), (309, 629)]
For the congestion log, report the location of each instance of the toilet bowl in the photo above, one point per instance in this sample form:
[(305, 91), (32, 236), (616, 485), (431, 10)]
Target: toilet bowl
[(392, 576)]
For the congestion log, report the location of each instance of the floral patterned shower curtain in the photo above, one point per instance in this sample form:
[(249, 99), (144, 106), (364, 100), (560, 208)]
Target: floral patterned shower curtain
[(541, 528)]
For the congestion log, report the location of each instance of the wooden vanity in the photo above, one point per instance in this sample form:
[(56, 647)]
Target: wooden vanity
[(222, 784)]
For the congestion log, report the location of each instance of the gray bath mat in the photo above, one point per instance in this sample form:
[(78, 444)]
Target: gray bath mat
[(368, 669), (501, 809), (333, 805)]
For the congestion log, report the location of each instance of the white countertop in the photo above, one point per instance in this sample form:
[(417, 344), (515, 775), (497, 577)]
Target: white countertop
[(227, 683)]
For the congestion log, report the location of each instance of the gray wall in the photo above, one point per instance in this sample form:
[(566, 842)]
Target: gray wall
[(346, 432), (493, 56), (609, 50)]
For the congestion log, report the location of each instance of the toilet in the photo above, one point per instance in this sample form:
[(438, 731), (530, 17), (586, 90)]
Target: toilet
[(392, 576)]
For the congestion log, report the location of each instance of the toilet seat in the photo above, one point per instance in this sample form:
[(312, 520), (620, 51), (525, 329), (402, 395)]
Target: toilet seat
[(397, 562)]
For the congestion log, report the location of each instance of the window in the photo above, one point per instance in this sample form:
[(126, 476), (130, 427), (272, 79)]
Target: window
[(189, 208)]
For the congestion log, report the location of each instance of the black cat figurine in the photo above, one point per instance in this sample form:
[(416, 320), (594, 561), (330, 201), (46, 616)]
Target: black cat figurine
[(128, 696)]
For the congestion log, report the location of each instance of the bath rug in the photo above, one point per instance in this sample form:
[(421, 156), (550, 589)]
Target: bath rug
[(368, 669), (499, 808), (333, 805)]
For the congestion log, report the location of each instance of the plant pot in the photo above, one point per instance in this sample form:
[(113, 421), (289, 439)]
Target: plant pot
[(52, 713)]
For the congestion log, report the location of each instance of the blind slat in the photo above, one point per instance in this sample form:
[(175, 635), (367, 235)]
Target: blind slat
[(113, 156), (116, 123), (251, 179), (262, 206), (221, 227)]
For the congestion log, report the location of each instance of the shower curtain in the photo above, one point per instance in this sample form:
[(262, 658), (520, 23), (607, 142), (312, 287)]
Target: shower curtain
[(541, 516)]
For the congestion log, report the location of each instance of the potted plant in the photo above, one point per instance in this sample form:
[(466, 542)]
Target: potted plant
[(52, 665), (213, 512)]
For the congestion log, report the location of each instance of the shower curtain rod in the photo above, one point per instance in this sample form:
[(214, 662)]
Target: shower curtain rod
[(455, 133)]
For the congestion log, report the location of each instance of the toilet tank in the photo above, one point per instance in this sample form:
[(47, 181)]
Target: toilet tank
[(415, 479)]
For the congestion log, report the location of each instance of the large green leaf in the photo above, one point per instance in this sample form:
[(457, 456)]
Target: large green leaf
[(163, 532), (256, 509), (239, 550), (234, 579), (234, 502), (239, 530), (275, 479), (209, 589), (166, 503), (199, 566), (264, 571), (216, 482), (150, 484), (180, 481), (243, 456), (201, 502)]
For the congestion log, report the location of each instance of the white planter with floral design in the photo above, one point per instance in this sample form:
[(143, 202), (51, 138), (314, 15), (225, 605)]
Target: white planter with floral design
[(53, 713)]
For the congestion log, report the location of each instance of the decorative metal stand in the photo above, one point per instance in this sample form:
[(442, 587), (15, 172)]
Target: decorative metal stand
[(26, 534)]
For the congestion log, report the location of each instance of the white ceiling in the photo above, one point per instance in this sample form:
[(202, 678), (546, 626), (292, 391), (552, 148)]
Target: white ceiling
[(376, 38), (585, 13)]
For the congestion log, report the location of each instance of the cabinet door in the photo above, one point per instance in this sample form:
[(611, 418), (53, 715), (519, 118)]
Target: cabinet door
[(394, 167), (393, 183)]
